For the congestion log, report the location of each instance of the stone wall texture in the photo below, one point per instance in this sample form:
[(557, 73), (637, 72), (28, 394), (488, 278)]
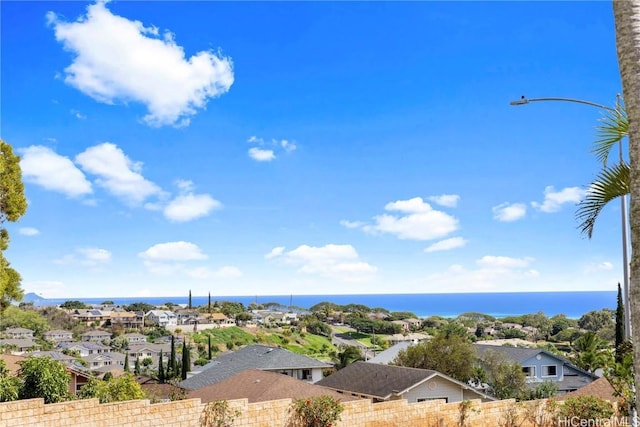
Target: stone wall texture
[(186, 413)]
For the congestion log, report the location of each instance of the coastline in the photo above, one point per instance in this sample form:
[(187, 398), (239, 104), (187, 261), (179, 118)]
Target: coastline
[(500, 304)]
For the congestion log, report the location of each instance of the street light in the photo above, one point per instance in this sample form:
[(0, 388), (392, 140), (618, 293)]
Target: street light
[(623, 205)]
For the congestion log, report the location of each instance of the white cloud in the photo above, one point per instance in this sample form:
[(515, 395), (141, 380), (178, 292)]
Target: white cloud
[(352, 224), (173, 251), (46, 288), (187, 207), (42, 166), (421, 222), (447, 200), (491, 275), (491, 261), (119, 60), (226, 272), (447, 244), (29, 231), (89, 257), (261, 155), (266, 150), (339, 262), (508, 212), (288, 146), (117, 173), (78, 115), (275, 252), (553, 200), (601, 266)]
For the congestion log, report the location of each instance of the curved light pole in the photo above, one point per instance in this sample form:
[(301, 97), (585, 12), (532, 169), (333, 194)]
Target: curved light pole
[(623, 207)]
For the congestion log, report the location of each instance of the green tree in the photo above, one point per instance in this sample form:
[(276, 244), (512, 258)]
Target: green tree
[(139, 306), (347, 356), (190, 306), (590, 352), (45, 378), (118, 389), (126, 363), (596, 320), (9, 384), (161, 375), (13, 205), (505, 378), (452, 355), (73, 305), (14, 317), (318, 411), (172, 368), (612, 181), (136, 367), (186, 360), (620, 332), (209, 355)]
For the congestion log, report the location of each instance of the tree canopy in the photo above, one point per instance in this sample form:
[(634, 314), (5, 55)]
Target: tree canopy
[(13, 205)]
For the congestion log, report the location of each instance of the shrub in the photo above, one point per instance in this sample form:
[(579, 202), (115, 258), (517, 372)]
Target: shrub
[(319, 411), (590, 410), (218, 414)]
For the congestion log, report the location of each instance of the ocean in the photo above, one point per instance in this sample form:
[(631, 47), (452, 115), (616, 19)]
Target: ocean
[(572, 304)]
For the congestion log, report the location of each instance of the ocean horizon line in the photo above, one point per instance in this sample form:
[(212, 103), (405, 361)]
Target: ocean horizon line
[(573, 304)]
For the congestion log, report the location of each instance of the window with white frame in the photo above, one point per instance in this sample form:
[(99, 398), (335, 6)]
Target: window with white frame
[(529, 371), (549, 371)]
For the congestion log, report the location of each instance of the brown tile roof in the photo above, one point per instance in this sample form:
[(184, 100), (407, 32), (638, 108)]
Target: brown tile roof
[(12, 361), (259, 386), (600, 388)]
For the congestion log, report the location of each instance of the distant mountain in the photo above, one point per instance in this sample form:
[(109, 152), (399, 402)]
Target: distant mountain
[(34, 298)]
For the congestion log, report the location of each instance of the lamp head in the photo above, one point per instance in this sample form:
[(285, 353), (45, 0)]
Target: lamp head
[(521, 101)]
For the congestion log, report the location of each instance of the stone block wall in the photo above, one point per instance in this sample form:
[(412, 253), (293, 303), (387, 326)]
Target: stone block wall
[(186, 413)]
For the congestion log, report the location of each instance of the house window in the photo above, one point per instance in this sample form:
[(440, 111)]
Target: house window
[(425, 399), (306, 374), (529, 371), (549, 371)]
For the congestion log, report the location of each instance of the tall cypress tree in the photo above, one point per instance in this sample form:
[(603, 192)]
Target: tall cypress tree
[(186, 360), (209, 305), (136, 367), (160, 369), (209, 347), (126, 363), (189, 299), (619, 326), (171, 367)]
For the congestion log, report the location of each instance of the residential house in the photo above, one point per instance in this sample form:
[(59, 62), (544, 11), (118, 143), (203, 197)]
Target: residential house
[(414, 337), (95, 336), (381, 383), (145, 350), (540, 365), (600, 388), (91, 317), (260, 386), (404, 325), (135, 337), (162, 318), (105, 361), (58, 335), (18, 346), (18, 333), (188, 317), (126, 319), (260, 357), (219, 319), (389, 355), (85, 348)]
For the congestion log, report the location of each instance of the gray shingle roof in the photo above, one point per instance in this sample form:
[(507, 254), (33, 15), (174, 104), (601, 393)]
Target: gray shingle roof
[(250, 357), (375, 380)]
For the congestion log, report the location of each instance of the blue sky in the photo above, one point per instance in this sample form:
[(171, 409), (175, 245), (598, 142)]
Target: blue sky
[(265, 148)]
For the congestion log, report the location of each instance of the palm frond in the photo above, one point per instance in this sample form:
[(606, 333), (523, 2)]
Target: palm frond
[(611, 183), (614, 126)]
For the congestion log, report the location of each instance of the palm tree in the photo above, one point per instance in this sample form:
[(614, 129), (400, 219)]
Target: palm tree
[(347, 356), (626, 16), (613, 181), (590, 353)]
